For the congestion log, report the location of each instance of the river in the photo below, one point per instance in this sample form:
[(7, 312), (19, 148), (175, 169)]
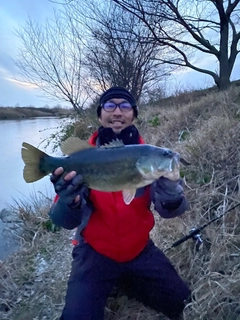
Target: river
[(13, 187)]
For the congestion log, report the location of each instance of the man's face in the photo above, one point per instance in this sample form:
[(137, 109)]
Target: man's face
[(117, 119)]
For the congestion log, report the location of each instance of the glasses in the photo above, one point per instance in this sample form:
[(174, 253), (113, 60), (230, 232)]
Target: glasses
[(111, 106)]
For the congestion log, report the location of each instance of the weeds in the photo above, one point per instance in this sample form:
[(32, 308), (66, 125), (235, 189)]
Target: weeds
[(33, 281)]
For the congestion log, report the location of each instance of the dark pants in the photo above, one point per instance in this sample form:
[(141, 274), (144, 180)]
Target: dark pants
[(151, 279)]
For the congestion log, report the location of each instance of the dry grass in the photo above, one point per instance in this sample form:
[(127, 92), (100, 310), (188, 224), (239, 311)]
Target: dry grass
[(33, 283)]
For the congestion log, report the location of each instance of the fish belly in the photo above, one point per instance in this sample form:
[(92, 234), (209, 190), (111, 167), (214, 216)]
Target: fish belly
[(104, 178)]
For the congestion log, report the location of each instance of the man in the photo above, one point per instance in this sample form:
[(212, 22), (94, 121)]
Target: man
[(114, 245)]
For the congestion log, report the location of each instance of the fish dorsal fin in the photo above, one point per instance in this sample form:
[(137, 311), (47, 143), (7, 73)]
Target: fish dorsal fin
[(74, 144), (113, 144), (128, 195)]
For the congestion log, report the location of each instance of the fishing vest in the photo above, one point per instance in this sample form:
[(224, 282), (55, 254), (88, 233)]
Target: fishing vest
[(115, 229)]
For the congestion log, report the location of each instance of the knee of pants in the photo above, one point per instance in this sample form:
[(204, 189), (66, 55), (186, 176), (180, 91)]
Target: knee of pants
[(90, 314)]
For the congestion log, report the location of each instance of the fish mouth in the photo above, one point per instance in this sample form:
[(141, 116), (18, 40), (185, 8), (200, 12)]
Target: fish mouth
[(177, 159), (173, 171)]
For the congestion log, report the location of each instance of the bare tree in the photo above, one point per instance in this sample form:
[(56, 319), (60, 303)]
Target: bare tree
[(118, 48), (88, 48), (205, 27), (51, 59)]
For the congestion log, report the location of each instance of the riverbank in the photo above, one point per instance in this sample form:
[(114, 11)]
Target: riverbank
[(206, 132), (33, 281), (12, 113)]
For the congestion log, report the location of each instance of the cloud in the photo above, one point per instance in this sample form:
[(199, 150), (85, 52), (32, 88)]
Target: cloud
[(21, 84), (7, 76)]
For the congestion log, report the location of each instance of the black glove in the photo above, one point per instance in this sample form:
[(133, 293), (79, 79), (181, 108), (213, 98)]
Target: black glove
[(169, 193), (69, 190)]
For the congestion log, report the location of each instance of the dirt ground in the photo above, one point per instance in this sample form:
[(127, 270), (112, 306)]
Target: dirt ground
[(33, 284)]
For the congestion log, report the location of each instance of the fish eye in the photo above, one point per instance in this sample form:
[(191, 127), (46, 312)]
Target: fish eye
[(167, 152)]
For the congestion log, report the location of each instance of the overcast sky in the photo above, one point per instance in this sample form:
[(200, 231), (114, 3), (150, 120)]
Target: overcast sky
[(14, 13)]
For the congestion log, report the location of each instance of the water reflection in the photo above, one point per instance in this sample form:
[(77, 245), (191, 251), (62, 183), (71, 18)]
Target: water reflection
[(13, 187)]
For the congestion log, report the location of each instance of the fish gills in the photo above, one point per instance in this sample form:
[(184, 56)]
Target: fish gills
[(31, 157)]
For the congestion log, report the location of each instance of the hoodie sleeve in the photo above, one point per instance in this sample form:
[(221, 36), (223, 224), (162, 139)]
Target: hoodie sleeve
[(168, 197)]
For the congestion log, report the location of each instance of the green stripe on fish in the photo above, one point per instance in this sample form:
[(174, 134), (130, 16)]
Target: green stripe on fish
[(113, 167)]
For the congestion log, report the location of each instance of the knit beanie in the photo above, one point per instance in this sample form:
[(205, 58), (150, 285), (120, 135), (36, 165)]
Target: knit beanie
[(117, 92)]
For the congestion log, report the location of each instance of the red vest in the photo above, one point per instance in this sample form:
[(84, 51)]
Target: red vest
[(115, 229)]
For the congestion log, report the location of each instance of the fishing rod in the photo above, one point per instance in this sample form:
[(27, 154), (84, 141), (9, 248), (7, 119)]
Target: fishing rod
[(195, 233)]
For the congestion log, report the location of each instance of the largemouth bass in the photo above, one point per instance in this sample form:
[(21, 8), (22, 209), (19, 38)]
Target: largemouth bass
[(112, 167)]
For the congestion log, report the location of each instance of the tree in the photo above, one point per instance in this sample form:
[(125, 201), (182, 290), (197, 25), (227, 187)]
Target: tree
[(86, 48), (207, 27), (117, 50), (51, 59)]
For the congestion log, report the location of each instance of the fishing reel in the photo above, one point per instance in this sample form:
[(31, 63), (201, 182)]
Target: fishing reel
[(196, 236)]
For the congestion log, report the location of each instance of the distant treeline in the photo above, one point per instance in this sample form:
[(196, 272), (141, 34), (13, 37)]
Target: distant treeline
[(32, 112)]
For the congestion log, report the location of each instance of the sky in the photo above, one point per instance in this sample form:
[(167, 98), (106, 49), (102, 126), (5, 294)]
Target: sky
[(14, 14)]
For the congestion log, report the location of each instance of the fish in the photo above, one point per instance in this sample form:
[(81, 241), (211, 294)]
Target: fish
[(111, 167)]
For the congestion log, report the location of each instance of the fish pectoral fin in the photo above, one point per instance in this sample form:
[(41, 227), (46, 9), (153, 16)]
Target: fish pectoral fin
[(128, 195), (74, 144)]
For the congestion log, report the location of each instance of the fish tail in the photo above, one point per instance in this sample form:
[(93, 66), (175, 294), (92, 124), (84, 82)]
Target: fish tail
[(31, 157)]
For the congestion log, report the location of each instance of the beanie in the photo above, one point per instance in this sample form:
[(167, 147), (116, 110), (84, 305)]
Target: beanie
[(117, 92)]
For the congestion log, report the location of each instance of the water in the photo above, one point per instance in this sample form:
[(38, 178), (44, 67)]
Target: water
[(13, 187)]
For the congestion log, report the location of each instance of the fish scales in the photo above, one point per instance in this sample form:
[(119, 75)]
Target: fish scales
[(113, 167), (100, 166)]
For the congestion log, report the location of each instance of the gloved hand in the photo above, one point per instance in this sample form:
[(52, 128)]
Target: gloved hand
[(71, 188), (167, 191)]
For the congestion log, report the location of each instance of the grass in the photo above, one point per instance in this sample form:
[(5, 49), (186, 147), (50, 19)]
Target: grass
[(33, 281)]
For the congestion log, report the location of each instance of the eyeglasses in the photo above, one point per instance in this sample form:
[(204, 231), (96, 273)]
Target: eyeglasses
[(111, 106)]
